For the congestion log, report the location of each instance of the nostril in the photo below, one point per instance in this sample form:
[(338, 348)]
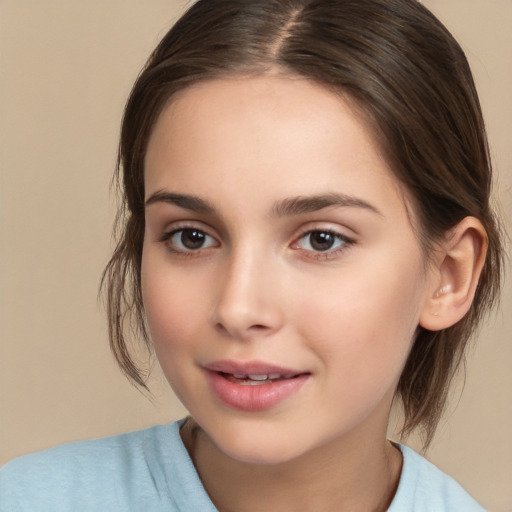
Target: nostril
[(220, 327), (252, 330)]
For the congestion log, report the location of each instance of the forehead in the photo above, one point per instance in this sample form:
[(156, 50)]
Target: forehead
[(266, 137), (248, 108)]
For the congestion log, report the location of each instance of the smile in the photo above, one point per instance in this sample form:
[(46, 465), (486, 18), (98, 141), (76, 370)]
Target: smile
[(253, 386), (255, 380)]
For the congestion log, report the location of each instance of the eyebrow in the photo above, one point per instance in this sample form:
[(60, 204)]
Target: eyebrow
[(193, 203), (308, 204), (283, 208)]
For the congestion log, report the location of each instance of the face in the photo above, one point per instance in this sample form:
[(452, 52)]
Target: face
[(281, 276)]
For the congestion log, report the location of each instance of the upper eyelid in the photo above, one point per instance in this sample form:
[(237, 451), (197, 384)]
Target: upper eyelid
[(324, 230), (187, 224), (328, 227)]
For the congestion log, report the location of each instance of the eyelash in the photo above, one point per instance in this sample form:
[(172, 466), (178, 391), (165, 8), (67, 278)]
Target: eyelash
[(166, 238), (346, 243)]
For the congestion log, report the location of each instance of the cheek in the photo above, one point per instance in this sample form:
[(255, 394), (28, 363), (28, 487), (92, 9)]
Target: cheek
[(167, 298), (174, 324), (364, 321)]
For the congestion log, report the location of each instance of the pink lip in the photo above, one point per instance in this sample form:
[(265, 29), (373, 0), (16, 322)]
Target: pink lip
[(252, 397), (250, 368)]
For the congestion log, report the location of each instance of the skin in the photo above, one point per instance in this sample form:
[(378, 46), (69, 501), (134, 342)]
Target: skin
[(258, 290)]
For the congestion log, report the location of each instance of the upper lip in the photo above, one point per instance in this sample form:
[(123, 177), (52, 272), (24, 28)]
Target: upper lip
[(250, 368)]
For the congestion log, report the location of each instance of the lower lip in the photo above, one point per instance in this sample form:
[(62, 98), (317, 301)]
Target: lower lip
[(254, 397)]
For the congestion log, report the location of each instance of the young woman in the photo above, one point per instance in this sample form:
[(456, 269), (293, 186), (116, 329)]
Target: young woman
[(305, 237)]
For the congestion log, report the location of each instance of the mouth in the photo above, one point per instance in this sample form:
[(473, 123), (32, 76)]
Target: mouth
[(257, 379), (253, 386)]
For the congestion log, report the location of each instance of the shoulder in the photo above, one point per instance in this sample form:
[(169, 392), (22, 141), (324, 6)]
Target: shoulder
[(114, 473), (425, 488)]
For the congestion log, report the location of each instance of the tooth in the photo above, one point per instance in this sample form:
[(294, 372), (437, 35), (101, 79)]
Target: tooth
[(249, 382), (274, 376), (239, 375), (258, 377)]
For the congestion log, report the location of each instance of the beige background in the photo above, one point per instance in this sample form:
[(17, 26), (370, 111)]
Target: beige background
[(66, 69)]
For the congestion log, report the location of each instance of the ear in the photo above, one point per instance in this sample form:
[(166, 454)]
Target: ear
[(455, 274)]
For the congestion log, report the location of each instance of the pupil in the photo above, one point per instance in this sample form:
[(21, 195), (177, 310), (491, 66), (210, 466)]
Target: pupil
[(192, 239), (321, 241)]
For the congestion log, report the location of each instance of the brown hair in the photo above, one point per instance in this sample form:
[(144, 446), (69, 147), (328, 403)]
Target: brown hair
[(410, 78)]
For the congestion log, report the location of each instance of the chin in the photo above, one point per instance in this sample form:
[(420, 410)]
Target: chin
[(258, 455), (257, 447)]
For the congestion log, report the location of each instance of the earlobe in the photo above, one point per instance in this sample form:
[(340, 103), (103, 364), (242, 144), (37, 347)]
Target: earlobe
[(456, 273)]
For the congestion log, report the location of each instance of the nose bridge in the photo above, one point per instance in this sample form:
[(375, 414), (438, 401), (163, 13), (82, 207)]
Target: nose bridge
[(247, 304)]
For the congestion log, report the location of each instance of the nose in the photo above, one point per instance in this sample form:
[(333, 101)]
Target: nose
[(247, 304)]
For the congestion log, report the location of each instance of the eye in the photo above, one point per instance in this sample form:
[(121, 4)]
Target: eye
[(188, 240), (322, 241)]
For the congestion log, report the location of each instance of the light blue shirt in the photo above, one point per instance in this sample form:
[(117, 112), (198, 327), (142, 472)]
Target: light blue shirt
[(151, 471)]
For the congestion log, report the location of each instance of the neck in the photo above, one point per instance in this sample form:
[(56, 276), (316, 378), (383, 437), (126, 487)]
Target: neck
[(349, 474)]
